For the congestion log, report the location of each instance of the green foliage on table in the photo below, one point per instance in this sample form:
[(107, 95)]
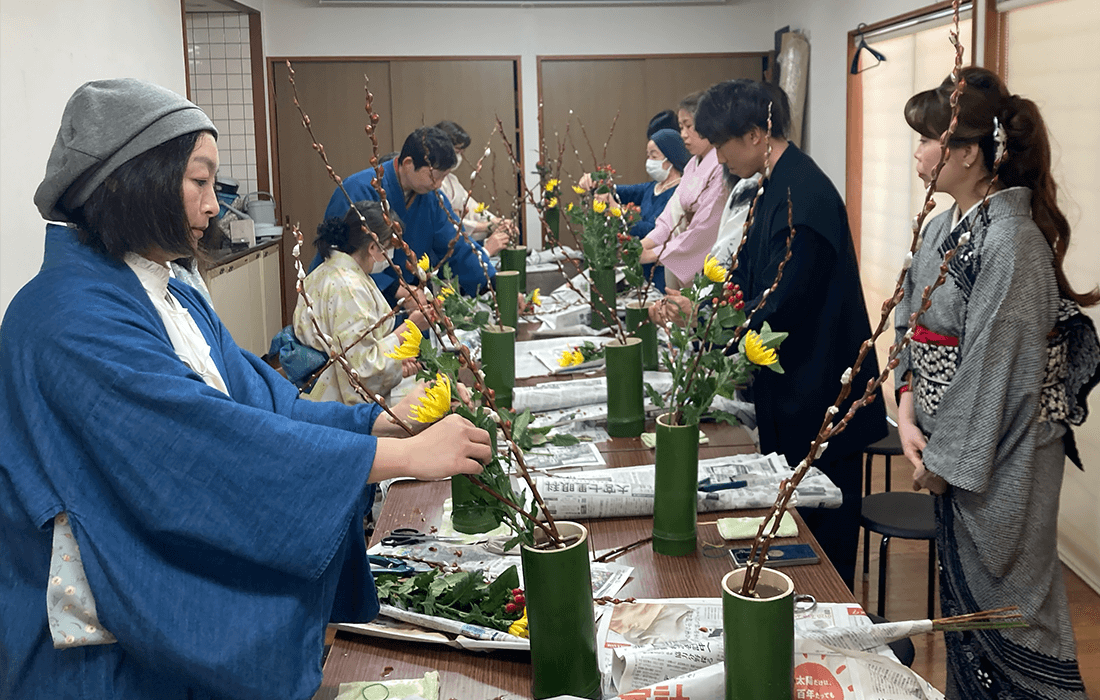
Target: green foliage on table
[(464, 596)]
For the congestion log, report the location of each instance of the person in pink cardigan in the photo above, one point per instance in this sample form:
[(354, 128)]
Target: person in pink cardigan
[(686, 230)]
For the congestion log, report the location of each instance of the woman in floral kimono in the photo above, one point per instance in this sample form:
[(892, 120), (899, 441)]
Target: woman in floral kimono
[(347, 304), (997, 374)]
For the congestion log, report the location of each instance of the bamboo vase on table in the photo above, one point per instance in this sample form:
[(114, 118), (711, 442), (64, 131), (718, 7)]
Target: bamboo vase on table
[(468, 514), (507, 293), (515, 258), (759, 637), (639, 326), (625, 404), (560, 616), (675, 495), (498, 362), (602, 298)]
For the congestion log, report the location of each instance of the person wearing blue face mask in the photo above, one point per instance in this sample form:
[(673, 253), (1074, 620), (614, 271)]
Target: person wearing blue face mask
[(666, 157), (347, 303)]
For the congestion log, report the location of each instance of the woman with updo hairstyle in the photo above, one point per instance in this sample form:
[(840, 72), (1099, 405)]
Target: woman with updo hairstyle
[(347, 303), (995, 378)]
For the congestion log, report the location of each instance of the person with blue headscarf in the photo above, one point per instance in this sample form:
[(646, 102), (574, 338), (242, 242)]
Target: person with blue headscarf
[(666, 157)]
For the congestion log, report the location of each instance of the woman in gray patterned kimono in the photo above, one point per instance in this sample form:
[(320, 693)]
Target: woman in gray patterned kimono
[(996, 376)]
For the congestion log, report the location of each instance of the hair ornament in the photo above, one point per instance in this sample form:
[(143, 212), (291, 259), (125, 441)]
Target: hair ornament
[(1000, 137)]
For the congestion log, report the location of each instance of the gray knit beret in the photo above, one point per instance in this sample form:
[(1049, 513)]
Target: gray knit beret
[(105, 124)]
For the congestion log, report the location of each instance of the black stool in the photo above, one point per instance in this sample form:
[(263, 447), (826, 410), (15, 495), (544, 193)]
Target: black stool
[(902, 648), (910, 516), (889, 446)]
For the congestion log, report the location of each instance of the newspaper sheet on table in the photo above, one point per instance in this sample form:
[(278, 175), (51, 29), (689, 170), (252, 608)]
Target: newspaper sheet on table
[(628, 491), (538, 358), (545, 260), (607, 580), (674, 648), (561, 403), (545, 457)]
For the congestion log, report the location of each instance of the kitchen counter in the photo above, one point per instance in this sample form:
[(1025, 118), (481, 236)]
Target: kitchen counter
[(221, 256)]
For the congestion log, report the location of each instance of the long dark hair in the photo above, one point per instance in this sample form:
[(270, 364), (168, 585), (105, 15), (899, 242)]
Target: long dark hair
[(346, 233), (139, 207), (1027, 163)]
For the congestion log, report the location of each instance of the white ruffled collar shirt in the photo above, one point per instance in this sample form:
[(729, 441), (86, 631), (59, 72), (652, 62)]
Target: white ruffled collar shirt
[(187, 339)]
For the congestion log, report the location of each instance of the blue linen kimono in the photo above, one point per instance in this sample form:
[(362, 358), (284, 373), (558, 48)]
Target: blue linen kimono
[(218, 533), (651, 205), (428, 228)]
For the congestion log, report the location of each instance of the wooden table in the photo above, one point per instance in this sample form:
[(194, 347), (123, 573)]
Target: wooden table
[(478, 676)]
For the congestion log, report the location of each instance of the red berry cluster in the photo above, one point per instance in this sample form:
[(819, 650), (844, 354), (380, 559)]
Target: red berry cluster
[(731, 296), (623, 237), (518, 601)]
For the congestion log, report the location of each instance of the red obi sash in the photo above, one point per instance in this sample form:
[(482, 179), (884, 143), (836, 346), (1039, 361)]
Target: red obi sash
[(927, 337)]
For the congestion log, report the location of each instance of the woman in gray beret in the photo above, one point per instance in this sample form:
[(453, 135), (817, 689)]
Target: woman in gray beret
[(175, 523)]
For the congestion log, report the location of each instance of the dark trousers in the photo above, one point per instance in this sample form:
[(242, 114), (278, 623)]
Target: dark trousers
[(837, 529)]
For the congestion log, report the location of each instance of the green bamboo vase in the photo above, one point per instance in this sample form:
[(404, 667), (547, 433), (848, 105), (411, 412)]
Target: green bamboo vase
[(552, 216), (507, 282), (469, 515), (625, 404), (560, 617), (498, 362), (675, 491), (759, 637), (639, 326), (603, 307), (515, 259)]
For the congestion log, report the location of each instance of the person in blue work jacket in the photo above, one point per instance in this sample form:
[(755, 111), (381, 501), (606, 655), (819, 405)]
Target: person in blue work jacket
[(411, 182)]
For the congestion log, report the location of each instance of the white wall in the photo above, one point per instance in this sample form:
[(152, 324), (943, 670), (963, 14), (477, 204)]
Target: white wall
[(49, 50)]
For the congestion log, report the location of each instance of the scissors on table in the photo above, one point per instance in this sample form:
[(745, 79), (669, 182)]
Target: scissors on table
[(389, 565), (403, 536)]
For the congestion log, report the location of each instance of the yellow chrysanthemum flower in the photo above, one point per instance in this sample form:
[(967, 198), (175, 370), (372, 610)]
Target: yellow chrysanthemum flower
[(436, 402), (535, 298), (445, 292), (570, 207), (757, 353), (519, 627), (551, 184), (482, 206), (599, 206), (423, 263), (566, 359), (578, 357), (410, 344), (553, 203), (714, 271), (578, 190), (616, 212)]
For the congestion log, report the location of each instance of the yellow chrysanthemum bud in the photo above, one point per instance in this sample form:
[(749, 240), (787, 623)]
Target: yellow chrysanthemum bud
[(616, 212), (756, 352), (599, 206), (535, 298), (519, 627), (553, 203), (578, 190), (410, 344), (551, 184), (435, 403), (713, 271), (482, 206), (423, 263)]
